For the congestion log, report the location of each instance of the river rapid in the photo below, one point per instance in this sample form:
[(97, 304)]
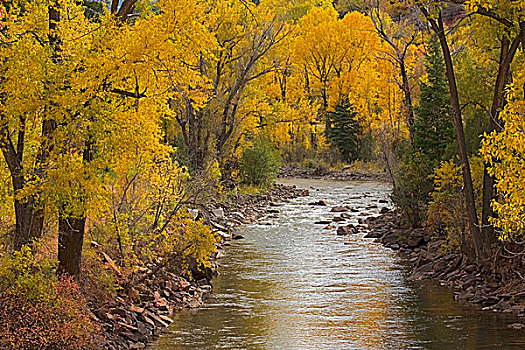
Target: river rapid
[(291, 284)]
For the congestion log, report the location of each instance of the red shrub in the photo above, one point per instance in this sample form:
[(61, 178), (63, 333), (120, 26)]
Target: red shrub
[(62, 322)]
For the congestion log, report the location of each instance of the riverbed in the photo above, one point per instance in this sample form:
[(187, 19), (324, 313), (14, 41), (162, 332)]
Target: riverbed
[(292, 284)]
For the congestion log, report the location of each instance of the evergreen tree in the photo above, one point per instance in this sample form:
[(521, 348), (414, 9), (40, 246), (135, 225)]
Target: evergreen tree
[(343, 130), (433, 140), (433, 128)]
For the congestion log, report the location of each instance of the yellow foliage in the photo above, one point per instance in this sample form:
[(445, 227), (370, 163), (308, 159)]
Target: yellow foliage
[(504, 151)]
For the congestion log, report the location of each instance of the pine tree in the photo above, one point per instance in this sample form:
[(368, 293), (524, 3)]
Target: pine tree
[(433, 128), (433, 140), (343, 130)]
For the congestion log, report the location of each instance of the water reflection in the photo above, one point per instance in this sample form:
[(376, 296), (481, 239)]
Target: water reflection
[(294, 285)]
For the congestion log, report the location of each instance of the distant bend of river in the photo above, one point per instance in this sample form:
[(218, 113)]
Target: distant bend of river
[(290, 284)]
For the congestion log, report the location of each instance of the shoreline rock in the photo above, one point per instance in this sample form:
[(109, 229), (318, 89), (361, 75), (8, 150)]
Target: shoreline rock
[(308, 173), (495, 290), (127, 325)]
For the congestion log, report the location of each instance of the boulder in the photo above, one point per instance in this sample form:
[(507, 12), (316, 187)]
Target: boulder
[(346, 230)]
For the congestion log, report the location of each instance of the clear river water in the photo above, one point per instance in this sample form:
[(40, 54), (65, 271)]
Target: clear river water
[(290, 284)]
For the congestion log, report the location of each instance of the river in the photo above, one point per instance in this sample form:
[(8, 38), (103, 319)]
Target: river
[(290, 284)]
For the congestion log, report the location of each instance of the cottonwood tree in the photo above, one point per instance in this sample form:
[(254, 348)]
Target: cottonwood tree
[(506, 18)]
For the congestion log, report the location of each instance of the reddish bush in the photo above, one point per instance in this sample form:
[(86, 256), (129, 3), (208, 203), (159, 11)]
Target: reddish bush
[(61, 322)]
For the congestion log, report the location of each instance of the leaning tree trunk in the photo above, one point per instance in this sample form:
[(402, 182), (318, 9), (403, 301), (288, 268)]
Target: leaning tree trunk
[(439, 29)]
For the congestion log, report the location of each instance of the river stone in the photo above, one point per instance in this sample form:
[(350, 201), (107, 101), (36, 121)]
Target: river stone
[(323, 222), (339, 209), (321, 203), (424, 258), (346, 230), (194, 213), (218, 212)]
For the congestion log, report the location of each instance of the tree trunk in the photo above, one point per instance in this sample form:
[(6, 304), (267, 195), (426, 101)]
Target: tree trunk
[(29, 222), (70, 240), (407, 98), (71, 231), (468, 190)]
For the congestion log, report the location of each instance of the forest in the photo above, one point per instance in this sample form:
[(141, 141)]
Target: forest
[(119, 119)]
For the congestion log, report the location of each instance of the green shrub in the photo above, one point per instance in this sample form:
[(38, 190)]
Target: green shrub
[(343, 130), (260, 164), (413, 186)]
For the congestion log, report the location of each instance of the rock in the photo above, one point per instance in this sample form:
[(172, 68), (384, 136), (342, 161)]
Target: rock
[(415, 239), (225, 236), (470, 268), (339, 209), (322, 222), (194, 213), (136, 309), (516, 326), (338, 219), (218, 226), (346, 230), (194, 303), (490, 301), (220, 254), (218, 212), (390, 238), (237, 236), (319, 203), (424, 258), (131, 336), (157, 319), (166, 318), (127, 326), (206, 288), (374, 234), (384, 210), (184, 285)]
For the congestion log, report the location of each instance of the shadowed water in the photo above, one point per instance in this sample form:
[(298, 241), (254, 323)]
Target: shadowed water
[(293, 285)]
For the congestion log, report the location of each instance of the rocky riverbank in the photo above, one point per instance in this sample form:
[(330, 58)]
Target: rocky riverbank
[(140, 314), (345, 174), (500, 288)]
